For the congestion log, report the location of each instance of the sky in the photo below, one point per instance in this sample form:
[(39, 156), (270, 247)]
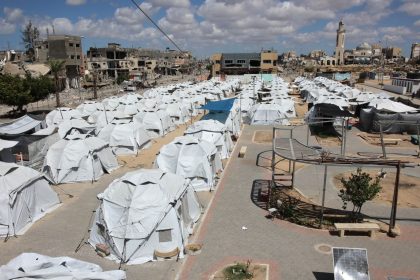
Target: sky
[(211, 26)]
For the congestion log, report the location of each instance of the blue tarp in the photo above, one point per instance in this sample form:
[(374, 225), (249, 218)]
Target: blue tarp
[(218, 116), (220, 106)]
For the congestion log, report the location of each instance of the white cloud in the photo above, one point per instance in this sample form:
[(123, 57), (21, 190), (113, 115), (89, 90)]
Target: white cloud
[(417, 23), (6, 27), (13, 15), (75, 2), (411, 8)]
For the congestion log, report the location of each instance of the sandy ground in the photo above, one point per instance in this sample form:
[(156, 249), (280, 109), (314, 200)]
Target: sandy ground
[(403, 140), (408, 194)]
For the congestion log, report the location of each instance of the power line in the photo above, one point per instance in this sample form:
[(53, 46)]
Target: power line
[(157, 26)]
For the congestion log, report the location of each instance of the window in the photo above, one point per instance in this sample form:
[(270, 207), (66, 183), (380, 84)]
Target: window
[(70, 44), (77, 45), (165, 235), (267, 61), (274, 62), (218, 61), (228, 61), (72, 56), (78, 57), (240, 61)]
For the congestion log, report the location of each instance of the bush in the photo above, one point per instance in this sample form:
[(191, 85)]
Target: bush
[(358, 189), (238, 271)]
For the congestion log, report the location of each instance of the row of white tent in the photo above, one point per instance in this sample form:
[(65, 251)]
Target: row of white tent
[(91, 137), (79, 155), (276, 106), (323, 90), (152, 211)]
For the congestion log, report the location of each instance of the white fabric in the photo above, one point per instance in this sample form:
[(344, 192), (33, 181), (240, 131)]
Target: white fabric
[(25, 197), (139, 204), (36, 266), (157, 121), (56, 116), (215, 132), (20, 125), (192, 158), (5, 144), (77, 160), (267, 114), (125, 138)]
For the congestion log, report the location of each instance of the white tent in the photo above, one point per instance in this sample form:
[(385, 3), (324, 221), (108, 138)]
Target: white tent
[(215, 132), (87, 108), (25, 197), (267, 114), (177, 111), (74, 126), (192, 158), (144, 212), (56, 116), (36, 266), (125, 138), (80, 159), (156, 121)]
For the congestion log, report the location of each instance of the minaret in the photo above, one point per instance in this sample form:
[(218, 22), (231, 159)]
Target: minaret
[(339, 45)]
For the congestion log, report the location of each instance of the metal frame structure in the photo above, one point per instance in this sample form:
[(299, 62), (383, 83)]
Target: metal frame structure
[(411, 123), (309, 155)]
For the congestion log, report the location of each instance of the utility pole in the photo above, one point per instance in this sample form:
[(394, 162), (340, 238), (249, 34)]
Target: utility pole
[(94, 75)]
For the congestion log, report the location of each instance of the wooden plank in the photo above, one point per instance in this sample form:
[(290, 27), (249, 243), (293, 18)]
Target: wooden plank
[(242, 151)]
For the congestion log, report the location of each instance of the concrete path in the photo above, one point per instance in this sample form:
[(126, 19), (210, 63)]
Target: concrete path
[(287, 248)]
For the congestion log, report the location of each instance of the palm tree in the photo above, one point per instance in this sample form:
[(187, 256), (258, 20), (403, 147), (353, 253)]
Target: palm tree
[(57, 66)]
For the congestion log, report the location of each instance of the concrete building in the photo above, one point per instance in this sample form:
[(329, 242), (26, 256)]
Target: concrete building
[(392, 52), (317, 54), (109, 62), (244, 63), (339, 44), (269, 61), (69, 49), (415, 51)]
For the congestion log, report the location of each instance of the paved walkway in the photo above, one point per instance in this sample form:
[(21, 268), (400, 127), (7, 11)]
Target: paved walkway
[(288, 248)]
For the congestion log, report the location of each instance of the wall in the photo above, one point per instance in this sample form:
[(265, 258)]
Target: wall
[(396, 89)]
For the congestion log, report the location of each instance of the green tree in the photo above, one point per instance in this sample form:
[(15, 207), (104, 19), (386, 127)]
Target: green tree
[(13, 92), (359, 189), (39, 88), (57, 67), (121, 78), (29, 36)]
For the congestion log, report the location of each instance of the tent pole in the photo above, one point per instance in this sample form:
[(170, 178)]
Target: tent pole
[(418, 138), (342, 136), (307, 135), (323, 196), (394, 202), (382, 139)]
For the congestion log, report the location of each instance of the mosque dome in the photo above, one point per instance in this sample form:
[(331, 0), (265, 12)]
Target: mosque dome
[(364, 46)]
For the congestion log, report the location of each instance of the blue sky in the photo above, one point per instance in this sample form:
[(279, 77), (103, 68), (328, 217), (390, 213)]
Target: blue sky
[(210, 26)]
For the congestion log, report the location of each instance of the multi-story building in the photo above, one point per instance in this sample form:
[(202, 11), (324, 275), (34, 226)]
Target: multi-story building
[(69, 49), (110, 62), (317, 54), (244, 63), (415, 51), (269, 61), (392, 52)]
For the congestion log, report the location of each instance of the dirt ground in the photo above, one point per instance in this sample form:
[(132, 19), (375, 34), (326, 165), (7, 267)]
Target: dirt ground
[(409, 188), (391, 140), (146, 157)]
